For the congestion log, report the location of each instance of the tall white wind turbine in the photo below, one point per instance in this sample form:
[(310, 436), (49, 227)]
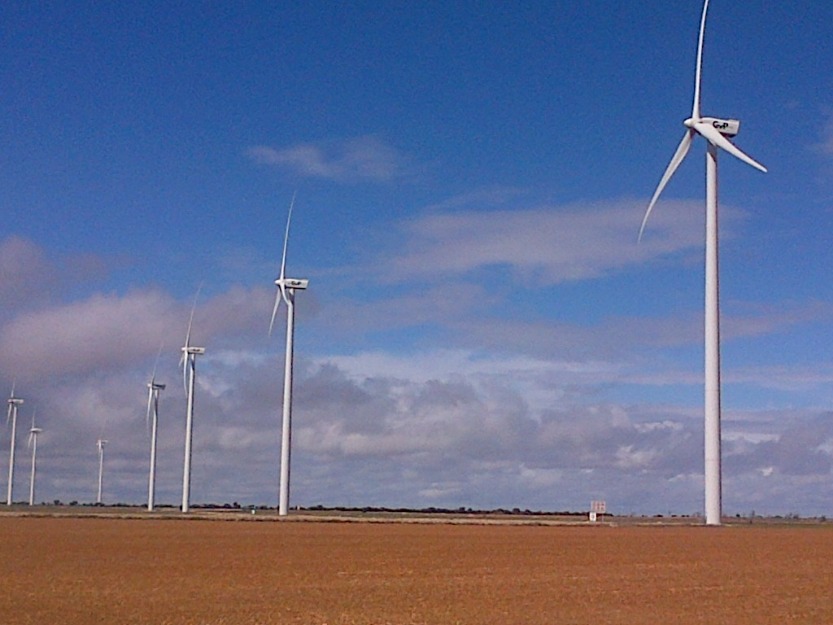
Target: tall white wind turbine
[(189, 377), (716, 132), (14, 404), (153, 422), (286, 292), (33, 445), (100, 443)]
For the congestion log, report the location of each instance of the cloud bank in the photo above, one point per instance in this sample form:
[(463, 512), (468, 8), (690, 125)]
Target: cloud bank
[(424, 394)]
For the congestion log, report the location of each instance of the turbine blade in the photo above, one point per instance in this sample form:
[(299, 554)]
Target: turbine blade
[(678, 157), (9, 415), (275, 309), (150, 401), (156, 363), (32, 432), (715, 138), (184, 363), (184, 360), (286, 237), (695, 109), (188, 333), (191, 317)]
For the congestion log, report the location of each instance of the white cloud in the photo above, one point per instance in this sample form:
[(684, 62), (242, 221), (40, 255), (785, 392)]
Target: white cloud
[(351, 160), (113, 330), (796, 378), (23, 269), (84, 336), (745, 320), (540, 478), (629, 457), (439, 492), (29, 276), (546, 245)]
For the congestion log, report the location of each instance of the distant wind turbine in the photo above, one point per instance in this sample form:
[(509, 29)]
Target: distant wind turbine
[(100, 443), (189, 376), (286, 292), (14, 404), (153, 421), (33, 445), (715, 131)]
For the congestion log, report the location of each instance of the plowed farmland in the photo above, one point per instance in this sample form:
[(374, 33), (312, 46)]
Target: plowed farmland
[(72, 571)]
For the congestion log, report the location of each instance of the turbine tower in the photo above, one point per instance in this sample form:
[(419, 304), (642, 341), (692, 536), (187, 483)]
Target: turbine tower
[(100, 443), (716, 132), (286, 292), (189, 376), (153, 421), (33, 445), (14, 404)]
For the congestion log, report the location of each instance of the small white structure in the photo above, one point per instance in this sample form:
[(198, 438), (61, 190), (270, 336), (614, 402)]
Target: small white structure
[(597, 507)]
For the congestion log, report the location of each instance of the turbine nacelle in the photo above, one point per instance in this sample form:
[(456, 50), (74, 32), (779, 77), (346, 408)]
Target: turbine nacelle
[(726, 127), (15, 401), (191, 351), (155, 386), (33, 435), (291, 283)]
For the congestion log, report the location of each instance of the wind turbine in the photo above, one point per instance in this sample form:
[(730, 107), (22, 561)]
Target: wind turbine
[(189, 376), (33, 445), (153, 421), (14, 404), (286, 292), (716, 132), (100, 443)]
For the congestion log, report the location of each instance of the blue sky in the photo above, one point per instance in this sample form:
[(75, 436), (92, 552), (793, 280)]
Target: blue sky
[(481, 327)]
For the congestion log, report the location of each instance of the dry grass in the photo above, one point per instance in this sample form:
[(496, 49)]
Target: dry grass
[(166, 572)]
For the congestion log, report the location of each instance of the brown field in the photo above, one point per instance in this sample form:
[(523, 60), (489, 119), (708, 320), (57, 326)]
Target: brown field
[(167, 572)]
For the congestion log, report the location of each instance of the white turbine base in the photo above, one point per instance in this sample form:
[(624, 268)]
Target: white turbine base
[(286, 424), (712, 466)]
